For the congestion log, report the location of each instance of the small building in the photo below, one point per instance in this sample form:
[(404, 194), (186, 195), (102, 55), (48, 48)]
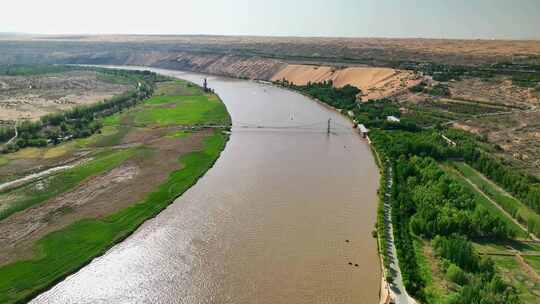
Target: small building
[(392, 118), (363, 130)]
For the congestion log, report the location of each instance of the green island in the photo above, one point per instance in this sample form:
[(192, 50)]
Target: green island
[(136, 152), (465, 222)]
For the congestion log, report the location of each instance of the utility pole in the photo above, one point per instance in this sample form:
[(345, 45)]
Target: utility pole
[(328, 129)]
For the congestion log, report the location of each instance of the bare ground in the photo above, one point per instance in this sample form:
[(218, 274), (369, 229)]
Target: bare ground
[(518, 136), (30, 97), (23, 164), (516, 129), (499, 90)]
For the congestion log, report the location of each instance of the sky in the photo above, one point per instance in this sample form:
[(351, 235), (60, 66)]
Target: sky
[(472, 19)]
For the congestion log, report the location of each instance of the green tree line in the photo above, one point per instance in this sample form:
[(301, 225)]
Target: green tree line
[(6, 133), (522, 185), (476, 274), (83, 121), (344, 98)]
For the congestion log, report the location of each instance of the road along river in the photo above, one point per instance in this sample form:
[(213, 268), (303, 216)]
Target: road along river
[(269, 223)]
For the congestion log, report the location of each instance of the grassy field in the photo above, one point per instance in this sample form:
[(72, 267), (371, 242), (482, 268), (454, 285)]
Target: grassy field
[(182, 110), (513, 273), (195, 107), (59, 150), (68, 249), (480, 199), (463, 108), (534, 261), (435, 292), (518, 210), (31, 195), (509, 267), (493, 246), (179, 134), (64, 251), (177, 88)]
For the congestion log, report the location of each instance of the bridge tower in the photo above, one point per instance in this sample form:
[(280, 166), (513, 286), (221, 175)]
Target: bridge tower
[(328, 128)]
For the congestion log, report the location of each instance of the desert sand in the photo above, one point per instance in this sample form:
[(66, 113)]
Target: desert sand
[(374, 82)]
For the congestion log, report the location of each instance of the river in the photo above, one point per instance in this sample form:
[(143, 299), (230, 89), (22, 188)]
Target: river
[(269, 223)]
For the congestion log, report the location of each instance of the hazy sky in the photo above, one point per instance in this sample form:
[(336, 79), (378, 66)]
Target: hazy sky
[(518, 19)]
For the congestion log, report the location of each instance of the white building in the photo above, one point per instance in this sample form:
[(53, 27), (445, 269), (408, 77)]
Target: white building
[(392, 118), (363, 130)]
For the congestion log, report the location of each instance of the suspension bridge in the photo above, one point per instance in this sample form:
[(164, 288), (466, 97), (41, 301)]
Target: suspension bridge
[(328, 126)]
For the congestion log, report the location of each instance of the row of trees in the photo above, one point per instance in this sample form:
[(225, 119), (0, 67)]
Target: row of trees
[(476, 274), (444, 72), (522, 185), (427, 202), (117, 74), (521, 74), (426, 143), (468, 108), (440, 90), (27, 70), (441, 206), (6, 133), (344, 98), (83, 121)]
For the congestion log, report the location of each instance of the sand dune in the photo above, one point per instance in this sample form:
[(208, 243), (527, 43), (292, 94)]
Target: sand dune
[(374, 82)]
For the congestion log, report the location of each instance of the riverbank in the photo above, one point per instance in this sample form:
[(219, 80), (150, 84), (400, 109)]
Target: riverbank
[(144, 160)]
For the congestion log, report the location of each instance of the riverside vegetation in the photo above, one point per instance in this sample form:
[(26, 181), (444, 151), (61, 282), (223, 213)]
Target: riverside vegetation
[(443, 226), (81, 121), (147, 142)]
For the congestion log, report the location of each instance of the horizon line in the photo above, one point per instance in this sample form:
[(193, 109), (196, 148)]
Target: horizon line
[(261, 36)]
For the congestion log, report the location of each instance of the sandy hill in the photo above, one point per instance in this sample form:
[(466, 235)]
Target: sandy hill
[(374, 82)]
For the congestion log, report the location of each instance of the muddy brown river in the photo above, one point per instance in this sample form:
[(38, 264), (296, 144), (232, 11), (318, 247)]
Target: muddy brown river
[(267, 224)]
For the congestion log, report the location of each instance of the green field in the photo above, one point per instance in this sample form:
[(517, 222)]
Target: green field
[(494, 246), (52, 151), (512, 272), (484, 202), (30, 195), (518, 210), (182, 110), (434, 291), (169, 110), (66, 250), (179, 134), (176, 88), (534, 261)]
